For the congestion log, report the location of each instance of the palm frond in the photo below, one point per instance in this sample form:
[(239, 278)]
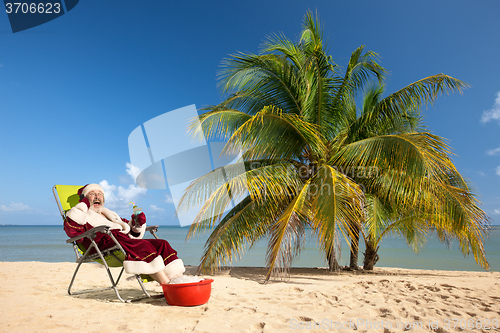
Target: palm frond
[(267, 183), (415, 95), (378, 217), (361, 69), (286, 235), (336, 202), (400, 163), (274, 134), (270, 78), (238, 230), (220, 123)]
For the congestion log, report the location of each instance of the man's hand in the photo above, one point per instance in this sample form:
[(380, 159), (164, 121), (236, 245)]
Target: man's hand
[(86, 201)]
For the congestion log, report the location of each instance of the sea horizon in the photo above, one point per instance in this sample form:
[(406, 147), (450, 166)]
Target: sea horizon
[(47, 243)]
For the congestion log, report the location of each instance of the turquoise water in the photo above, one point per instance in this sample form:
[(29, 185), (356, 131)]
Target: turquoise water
[(48, 244)]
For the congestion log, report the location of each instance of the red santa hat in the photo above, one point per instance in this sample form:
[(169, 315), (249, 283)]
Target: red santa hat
[(83, 191)]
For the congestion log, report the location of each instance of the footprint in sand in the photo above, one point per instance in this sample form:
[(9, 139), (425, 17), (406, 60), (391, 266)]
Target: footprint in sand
[(306, 319), (410, 287), (241, 310), (295, 289), (447, 285), (386, 313), (258, 326), (433, 288)]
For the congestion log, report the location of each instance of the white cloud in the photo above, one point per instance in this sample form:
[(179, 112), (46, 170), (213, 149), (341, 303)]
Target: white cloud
[(169, 199), (133, 171), (493, 152), (15, 207), (118, 198), (496, 211), (494, 113), (156, 208), (497, 170)]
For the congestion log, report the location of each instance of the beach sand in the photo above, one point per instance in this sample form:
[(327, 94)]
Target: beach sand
[(34, 298)]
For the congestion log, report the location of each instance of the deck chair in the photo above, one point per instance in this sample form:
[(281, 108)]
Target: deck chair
[(66, 197)]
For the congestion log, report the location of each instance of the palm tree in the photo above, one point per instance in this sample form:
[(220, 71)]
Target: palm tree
[(292, 112), (416, 186)]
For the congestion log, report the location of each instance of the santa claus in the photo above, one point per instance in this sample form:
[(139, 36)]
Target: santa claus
[(154, 257)]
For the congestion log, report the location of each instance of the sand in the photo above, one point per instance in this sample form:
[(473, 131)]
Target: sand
[(34, 298)]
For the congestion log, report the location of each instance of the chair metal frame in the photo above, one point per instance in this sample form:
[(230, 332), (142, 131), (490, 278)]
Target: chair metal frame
[(102, 256)]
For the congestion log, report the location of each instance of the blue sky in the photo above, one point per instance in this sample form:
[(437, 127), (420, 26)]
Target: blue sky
[(73, 89)]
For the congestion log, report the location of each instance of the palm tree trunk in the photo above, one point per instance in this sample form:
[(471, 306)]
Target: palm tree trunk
[(331, 257), (354, 249), (371, 256)]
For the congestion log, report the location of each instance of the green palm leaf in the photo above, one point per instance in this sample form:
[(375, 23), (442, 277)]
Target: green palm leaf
[(336, 203), (287, 233)]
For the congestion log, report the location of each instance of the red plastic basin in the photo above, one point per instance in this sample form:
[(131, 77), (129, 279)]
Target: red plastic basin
[(188, 294)]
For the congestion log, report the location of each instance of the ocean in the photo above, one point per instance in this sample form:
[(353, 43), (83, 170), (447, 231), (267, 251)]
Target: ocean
[(48, 244)]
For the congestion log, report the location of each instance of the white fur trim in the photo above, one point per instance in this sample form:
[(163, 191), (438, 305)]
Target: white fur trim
[(115, 218), (175, 268), (92, 187), (141, 230), (81, 215), (78, 213), (142, 267)]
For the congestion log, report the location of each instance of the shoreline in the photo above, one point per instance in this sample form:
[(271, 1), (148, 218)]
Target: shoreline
[(393, 253), (35, 299)]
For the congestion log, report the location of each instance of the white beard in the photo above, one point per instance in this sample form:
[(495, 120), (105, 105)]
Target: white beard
[(97, 210)]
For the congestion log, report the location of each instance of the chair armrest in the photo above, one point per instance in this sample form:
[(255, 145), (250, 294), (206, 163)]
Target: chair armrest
[(152, 229), (89, 233)]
